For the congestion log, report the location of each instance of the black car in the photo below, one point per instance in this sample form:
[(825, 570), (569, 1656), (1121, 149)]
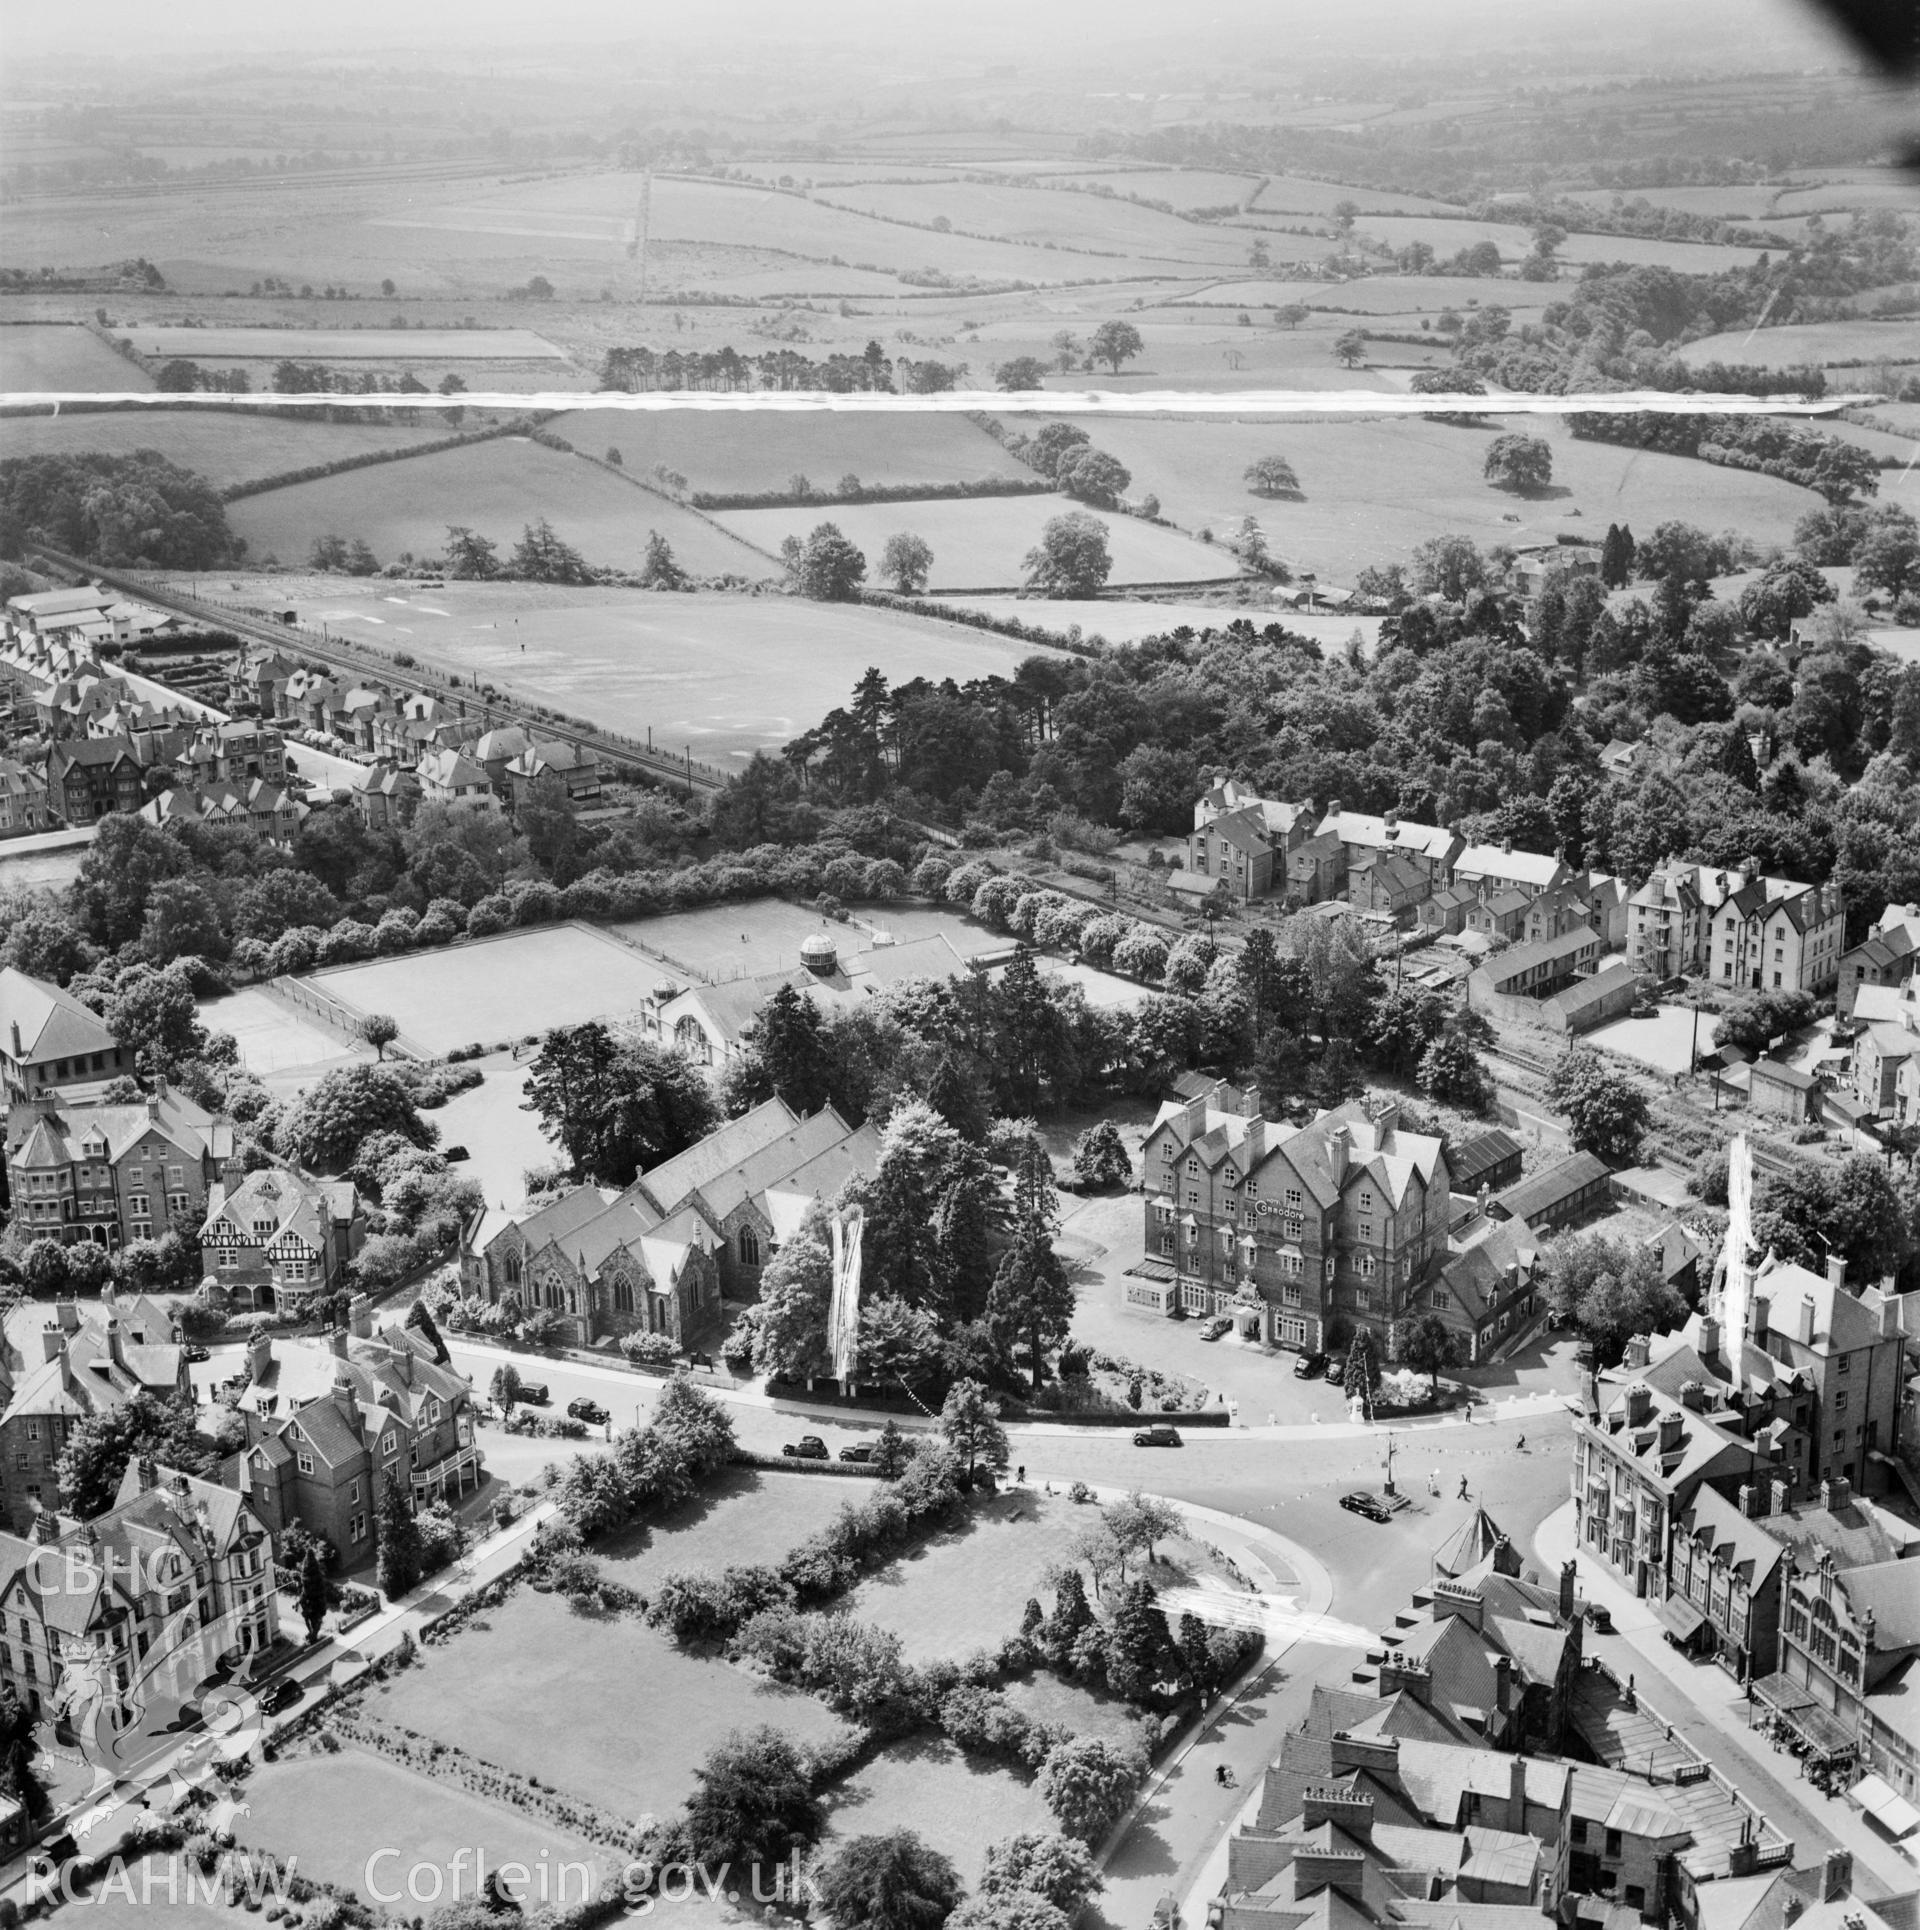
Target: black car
[(455, 1154), (1158, 1436), (809, 1447), (1370, 1505), (589, 1411), (195, 1353), (1309, 1366), (1336, 1368), (859, 1452), (533, 1393), (279, 1695)]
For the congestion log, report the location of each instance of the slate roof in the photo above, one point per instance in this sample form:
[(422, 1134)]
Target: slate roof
[(280, 1199), (1522, 867), (53, 1024), (1519, 960), (1539, 1193), (726, 1146), (1744, 1545), (1479, 1153), (54, 1136)]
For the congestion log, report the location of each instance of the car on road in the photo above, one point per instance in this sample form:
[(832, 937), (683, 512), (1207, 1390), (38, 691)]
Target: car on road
[(1309, 1366), (533, 1393), (455, 1154), (1360, 1502), (1160, 1435), (195, 1353), (859, 1452), (809, 1447), (1214, 1327), (279, 1695), (589, 1411), (1600, 1617)]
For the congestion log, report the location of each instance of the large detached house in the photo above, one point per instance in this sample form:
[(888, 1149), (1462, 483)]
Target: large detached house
[(48, 1038), (274, 1239)]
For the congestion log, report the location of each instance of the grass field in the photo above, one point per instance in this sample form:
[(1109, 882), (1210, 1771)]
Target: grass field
[(1122, 622), (348, 344), (1045, 1698), (748, 1516), (224, 448), (496, 488), (61, 357), (497, 989), (1182, 187), (728, 675), (335, 1812), (610, 1709), (726, 452), (1448, 236), (957, 1806), (983, 543), (1375, 489), (1381, 295), (710, 943), (1301, 194), (1817, 342)]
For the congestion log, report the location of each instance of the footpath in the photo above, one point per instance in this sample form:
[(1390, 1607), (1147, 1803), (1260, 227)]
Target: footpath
[(1702, 1703)]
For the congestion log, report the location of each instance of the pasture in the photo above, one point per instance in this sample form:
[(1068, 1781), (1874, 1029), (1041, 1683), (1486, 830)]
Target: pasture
[(224, 448), (1301, 194), (63, 358), (1447, 236), (335, 1812), (1821, 343), (347, 344), (1127, 622), (496, 989), (1381, 295), (1373, 489), (956, 1805), (605, 1707), (1182, 187), (738, 453), (725, 675), (496, 488), (983, 543)]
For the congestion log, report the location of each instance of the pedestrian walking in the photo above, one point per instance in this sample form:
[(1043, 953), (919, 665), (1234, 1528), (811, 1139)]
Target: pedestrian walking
[(1433, 1482), (1021, 1471), (1463, 1488)]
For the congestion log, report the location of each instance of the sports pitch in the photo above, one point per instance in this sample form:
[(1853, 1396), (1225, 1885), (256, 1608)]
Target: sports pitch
[(499, 989)]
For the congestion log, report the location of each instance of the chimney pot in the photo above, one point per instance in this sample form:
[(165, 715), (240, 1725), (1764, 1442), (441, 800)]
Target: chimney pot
[(1836, 1875), (1836, 1270)]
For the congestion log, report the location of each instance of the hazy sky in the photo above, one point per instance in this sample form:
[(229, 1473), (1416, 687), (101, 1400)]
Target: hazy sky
[(100, 31)]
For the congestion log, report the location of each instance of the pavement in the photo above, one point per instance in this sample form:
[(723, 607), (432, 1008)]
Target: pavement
[(1701, 1702)]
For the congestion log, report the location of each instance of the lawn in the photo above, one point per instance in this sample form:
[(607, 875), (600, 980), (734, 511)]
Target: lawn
[(748, 1516), (1817, 342), (609, 1709), (348, 344), (927, 1785), (279, 1046), (1374, 489), (982, 544), (224, 448), (737, 941), (63, 357), (1044, 1697), (968, 1588), (337, 1812), (498, 989), (496, 488), (725, 452), (165, 1880)]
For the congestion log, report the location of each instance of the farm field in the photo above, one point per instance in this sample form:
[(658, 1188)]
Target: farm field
[(725, 453), (496, 488), (1817, 342), (1734, 203), (748, 1516), (727, 675), (496, 989), (708, 943), (1301, 194), (334, 1812), (1206, 348), (1183, 187), (1123, 622), (1447, 237), (609, 1709), (224, 448), (348, 344), (925, 1784), (1381, 294), (62, 357), (1844, 197), (1049, 217), (1375, 489), (981, 544)]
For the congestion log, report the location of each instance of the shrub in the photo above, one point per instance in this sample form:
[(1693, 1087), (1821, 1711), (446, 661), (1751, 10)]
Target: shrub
[(711, 1608), (648, 1347)]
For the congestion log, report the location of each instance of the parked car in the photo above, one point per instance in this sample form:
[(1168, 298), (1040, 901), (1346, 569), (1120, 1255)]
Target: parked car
[(533, 1393), (1599, 1617), (279, 1695), (1214, 1327), (809, 1447), (1336, 1367), (1160, 1435), (1309, 1366), (1362, 1503), (859, 1452), (195, 1353), (455, 1154), (1646, 1009), (589, 1411)]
